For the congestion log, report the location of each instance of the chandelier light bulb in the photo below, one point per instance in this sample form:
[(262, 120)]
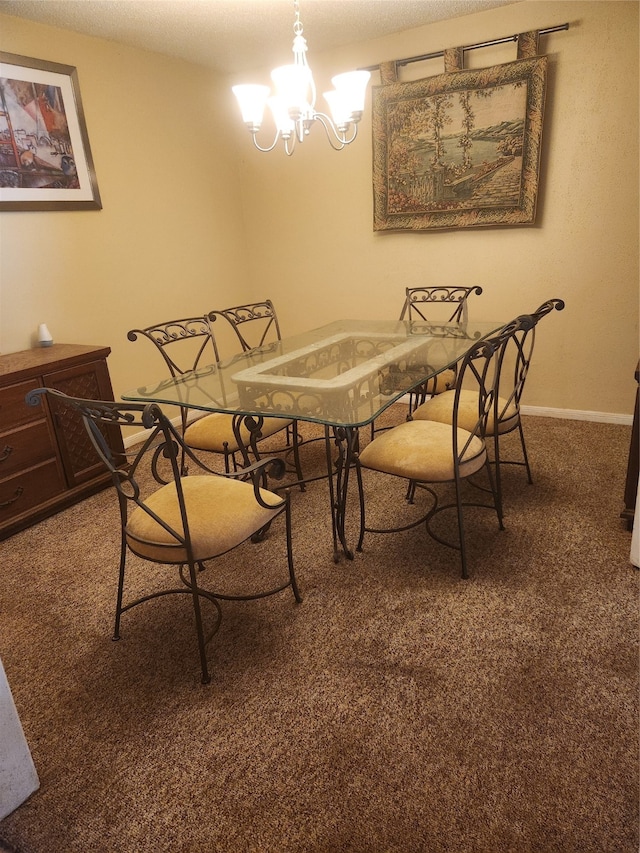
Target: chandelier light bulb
[(252, 100), (280, 112), (340, 109), (294, 84), (352, 86)]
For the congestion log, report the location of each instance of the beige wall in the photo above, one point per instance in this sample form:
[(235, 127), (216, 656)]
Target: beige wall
[(173, 237), (169, 239), (584, 247)]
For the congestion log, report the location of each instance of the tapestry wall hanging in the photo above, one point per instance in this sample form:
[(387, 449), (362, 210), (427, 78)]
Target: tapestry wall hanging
[(460, 149), (45, 159)]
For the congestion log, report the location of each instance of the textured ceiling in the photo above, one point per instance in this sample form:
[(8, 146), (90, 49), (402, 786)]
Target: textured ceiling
[(231, 36)]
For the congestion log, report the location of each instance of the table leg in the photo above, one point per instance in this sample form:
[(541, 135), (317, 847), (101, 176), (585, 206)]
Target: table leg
[(345, 440), (346, 443)]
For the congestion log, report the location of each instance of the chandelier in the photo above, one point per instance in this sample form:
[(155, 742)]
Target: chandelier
[(293, 104)]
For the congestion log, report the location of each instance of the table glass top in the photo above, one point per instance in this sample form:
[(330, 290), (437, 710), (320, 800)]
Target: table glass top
[(342, 374)]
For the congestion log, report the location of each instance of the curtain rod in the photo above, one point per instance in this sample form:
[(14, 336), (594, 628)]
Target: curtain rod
[(439, 53)]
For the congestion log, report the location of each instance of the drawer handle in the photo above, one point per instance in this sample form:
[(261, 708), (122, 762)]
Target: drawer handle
[(15, 497), (6, 453)]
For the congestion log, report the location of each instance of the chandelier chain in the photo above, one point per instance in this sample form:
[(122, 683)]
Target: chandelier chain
[(297, 24)]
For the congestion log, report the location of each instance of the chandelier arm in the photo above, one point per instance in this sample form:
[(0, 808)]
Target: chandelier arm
[(333, 133), (271, 147)]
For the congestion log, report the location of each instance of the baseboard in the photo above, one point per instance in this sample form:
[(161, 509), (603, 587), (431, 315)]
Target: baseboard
[(578, 415)]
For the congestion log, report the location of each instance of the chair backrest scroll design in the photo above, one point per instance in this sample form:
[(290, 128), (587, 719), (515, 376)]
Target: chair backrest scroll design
[(419, 300), (173, 332), (263, 319)]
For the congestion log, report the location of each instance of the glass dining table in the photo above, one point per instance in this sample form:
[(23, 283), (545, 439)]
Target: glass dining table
[(342, 375)]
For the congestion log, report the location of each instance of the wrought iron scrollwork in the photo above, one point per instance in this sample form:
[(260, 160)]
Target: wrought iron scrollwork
[(237, 315), (418, 300), (166, 333)]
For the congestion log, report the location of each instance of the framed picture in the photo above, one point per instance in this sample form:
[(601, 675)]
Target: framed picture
[(459, 149), (45, 158)]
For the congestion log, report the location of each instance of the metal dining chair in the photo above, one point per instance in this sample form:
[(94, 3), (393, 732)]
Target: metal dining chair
[(429, 454), (187, 345), (506, 415), (434, 305), (426, 304), (255, 326), (185, 521)]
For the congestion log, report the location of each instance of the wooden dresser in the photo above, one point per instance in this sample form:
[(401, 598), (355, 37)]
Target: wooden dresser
[(47, 461)]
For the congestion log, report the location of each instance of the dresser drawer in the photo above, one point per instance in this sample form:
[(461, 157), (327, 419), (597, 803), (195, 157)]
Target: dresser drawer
[(24, 447), (28, 489), (14, 410)]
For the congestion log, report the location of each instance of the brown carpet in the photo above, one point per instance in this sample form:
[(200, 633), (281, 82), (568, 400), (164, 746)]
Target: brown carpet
[(397, 709)]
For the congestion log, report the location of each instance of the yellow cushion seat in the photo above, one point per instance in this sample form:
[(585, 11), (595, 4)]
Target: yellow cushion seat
[(422, 450), (212, 431), (222, 513), (440, 409), (439, 383)]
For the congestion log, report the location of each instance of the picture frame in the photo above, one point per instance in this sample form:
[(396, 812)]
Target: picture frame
[(45, 156), (460, 149)]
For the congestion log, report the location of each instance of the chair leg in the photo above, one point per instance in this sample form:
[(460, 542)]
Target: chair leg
[(498, 483), (497, 502), (362, 504), (524, 452), (123, 558), (497, 496), (463, 550), (228, 457), (206, 678), (360, 487), (296, 455), (292, 574)]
